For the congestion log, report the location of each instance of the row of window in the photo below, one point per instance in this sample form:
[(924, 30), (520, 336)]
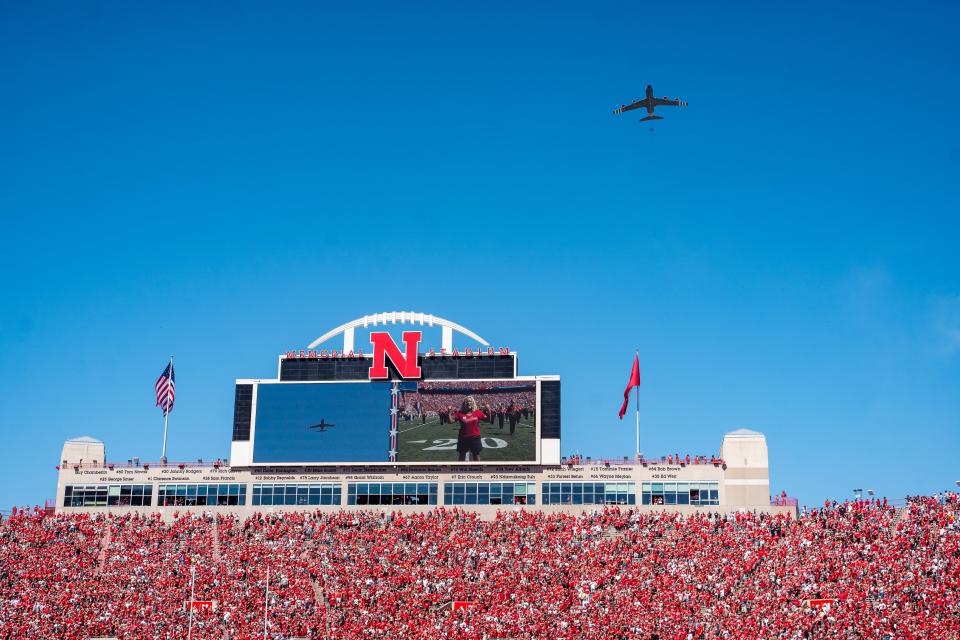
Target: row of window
[(589, 493), (392, 493), (489, 493), (374, 493), (199, 495), (296, 494), (108, 495), (694, 493)]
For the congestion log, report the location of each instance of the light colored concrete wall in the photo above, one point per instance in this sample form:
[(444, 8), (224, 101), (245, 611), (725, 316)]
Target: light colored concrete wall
[(743, 485), (745, 450), (86, 450), (747, 477)]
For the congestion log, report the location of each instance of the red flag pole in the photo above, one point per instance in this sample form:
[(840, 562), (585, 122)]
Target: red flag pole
[(633, 382), (638, 413)]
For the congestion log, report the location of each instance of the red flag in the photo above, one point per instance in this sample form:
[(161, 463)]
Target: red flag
[(634, 382)]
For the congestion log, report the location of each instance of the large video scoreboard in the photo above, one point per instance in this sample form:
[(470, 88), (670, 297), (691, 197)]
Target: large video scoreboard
[(325, 409), (395, 422)]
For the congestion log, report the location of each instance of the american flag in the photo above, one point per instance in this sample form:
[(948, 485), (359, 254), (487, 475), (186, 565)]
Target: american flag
[(164, 388)]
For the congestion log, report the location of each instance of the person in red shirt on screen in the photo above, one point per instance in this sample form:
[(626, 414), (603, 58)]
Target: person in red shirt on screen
[(468, 440)]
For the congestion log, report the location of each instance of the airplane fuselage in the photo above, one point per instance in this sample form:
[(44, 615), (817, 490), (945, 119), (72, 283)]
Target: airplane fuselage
[(650, 103)]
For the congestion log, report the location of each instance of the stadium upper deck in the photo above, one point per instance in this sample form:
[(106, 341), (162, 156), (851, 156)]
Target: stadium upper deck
[(410, 429), (736, 479)]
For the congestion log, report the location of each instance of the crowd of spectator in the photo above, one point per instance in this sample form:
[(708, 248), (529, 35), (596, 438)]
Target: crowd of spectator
[(498, 407), (853, 570), (671, 459), (430, 404)]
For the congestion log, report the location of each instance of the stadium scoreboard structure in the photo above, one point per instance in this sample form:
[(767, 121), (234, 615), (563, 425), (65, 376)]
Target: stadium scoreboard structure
[(309, 423), (399, 404), (404, 423)]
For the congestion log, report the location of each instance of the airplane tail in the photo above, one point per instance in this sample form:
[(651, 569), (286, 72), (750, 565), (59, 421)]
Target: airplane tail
[(651, 118)]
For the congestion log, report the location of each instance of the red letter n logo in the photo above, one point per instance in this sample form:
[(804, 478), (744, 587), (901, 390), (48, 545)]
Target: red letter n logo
[(384, 347)]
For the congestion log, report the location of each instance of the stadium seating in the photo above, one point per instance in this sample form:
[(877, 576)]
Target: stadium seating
[(852, 570)]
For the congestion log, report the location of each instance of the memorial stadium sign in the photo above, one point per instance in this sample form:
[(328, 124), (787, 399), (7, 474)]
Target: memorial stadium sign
[(432, 352), (385, 347)]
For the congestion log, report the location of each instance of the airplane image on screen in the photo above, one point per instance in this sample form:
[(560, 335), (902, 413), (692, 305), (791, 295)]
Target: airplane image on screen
[(650, 103), (321, 426)]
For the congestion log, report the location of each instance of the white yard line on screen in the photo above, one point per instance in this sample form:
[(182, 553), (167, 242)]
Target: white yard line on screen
[(523, 423), (416, 427)]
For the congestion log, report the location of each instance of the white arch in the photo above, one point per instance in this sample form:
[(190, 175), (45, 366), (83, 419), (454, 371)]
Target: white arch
[(398, 317)]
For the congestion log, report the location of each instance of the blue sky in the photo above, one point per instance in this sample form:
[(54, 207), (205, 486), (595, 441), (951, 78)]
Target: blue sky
[(227, 181)]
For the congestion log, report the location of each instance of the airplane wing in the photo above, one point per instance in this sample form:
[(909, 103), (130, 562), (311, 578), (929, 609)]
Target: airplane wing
[(666, 102), (636, 104)]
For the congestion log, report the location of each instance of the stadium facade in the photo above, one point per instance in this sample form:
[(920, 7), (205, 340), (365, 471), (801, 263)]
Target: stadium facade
[(409, 427)]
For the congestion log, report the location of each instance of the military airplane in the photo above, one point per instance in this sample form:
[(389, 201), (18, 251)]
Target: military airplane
[(650, 103), (321, 426)]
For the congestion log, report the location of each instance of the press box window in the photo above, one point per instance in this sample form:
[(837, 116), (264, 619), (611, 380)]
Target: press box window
[(201, 495), (107, 495), (325, 493), (410, 493), (589, 493), (458, 493), (697, 494)]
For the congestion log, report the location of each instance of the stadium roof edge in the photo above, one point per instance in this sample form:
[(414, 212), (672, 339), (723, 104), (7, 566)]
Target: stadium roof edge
[(743, 433)]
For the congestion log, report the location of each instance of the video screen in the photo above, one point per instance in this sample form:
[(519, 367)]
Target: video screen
[(304, 422), (480, 421), (436, 422)]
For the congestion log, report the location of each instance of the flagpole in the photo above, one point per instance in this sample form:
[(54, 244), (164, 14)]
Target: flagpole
[(193, 576), (166, 416), (638, 413), (266, 603)]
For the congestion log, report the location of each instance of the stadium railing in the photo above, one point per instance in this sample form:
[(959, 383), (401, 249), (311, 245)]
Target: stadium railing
[(578, 460)]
